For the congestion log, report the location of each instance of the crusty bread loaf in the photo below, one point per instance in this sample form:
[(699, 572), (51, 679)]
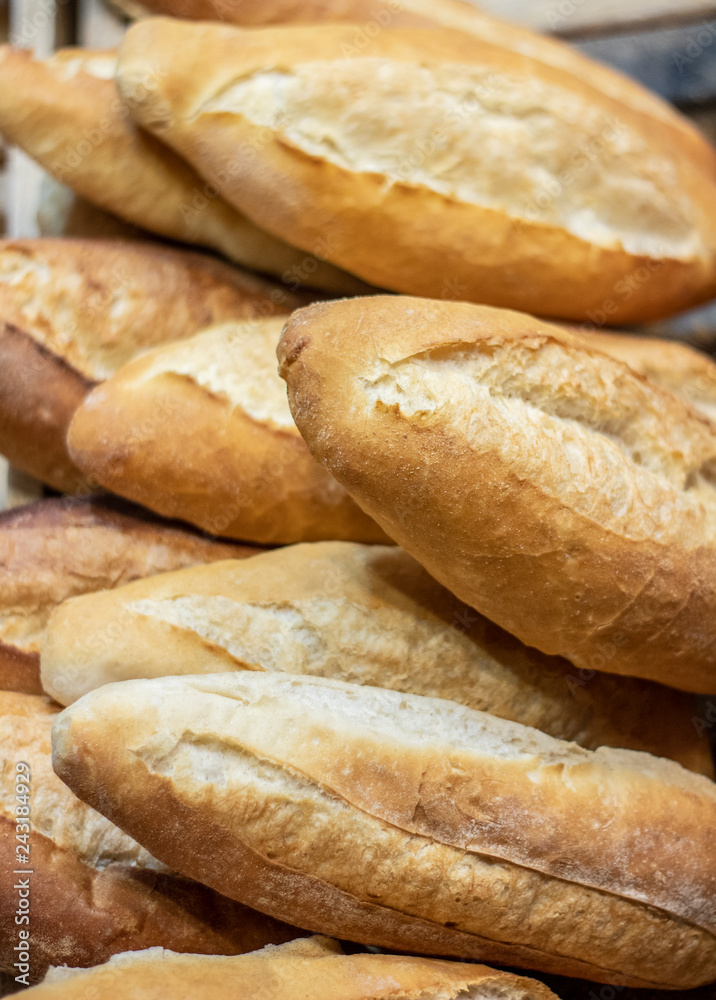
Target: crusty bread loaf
[(458, 14), (93, 890), (565, 497), (73, 311), (64, 111), (201, 430), (677, 367), (409, 823), (312, 969), (491, 178), (54, 549), (368, 614)]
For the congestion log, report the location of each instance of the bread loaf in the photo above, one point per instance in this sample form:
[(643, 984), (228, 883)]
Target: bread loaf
[(64, 111), (313, 969), (677, 367), (545, 484), (409, 823), (73, 311), (54, 549), (434, 163), (201, 430), (369, 15), (61, 212), (368, 614), (93, 891), (97, 303)]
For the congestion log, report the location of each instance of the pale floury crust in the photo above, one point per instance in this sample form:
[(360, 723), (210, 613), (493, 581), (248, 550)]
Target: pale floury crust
[(201, 430), (494, 179), (367, 15), (549, 486), (95, 891), (410, 823), (96, 303), (368, 614), (65, 112), (313, 969), (681, 369)]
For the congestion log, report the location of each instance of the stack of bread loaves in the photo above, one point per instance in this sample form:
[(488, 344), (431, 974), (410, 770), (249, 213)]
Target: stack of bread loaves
[(401, 651)]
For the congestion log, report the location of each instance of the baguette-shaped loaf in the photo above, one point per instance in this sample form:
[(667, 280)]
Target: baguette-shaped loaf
[(93, 891), (368, 614), (73, 311), (677, 367), (460, 15), (564, 496), (55, 549), (312, 969), (65, 112), (201, 430), (409, 823), (491, 178)]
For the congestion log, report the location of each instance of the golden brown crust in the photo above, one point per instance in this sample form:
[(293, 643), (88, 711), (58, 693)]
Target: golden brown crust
[(73, 311), (391, 204), (312, 969), (19, 671), (82, 913), (409, 823), (366, 614), (453, 14), (65, 112), (596, 491), (39, 393), (55, 549), (97, 303), (202, 431)]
